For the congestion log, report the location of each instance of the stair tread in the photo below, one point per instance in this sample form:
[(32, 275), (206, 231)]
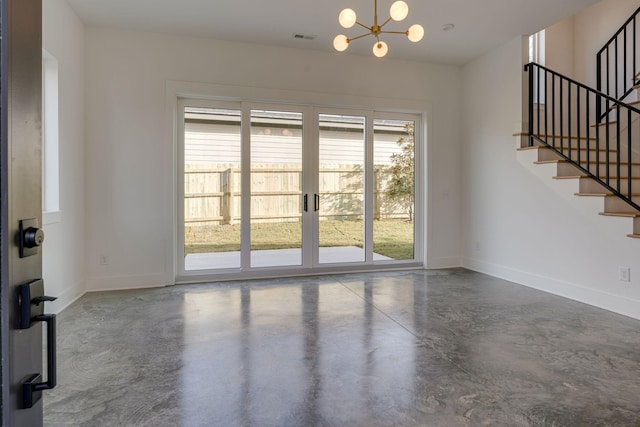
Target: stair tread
[(621, 214), (545, 135), (536, 147), (565, 137), (591, 162), (634, 236), (593, 194), (609, 123), (628, 103), (602, 195), (603, 178)]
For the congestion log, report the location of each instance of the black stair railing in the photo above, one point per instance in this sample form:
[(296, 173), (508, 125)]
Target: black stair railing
[(617, 61), (563, 117)]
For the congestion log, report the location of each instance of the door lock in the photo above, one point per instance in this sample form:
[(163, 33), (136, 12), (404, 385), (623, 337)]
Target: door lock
[(30, 237)]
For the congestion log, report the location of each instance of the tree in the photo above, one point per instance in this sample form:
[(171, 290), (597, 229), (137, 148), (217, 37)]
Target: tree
[(400, 187)]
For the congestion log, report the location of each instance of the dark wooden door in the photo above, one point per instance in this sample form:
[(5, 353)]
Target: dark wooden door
[(21, 157)]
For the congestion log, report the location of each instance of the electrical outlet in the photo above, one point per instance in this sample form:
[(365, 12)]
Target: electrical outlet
[(624, 274), (104, 260)]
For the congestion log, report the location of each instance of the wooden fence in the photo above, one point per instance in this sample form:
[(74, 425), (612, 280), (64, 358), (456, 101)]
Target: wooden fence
[(212, 194)]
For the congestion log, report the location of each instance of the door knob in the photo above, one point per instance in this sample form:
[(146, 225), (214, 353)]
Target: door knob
[(33, 237)]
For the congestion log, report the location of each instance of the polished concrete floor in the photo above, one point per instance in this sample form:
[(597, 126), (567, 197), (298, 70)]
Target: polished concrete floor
[(416, 348)]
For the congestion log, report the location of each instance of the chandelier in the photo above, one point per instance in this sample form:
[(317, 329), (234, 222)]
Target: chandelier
[(398, 11)]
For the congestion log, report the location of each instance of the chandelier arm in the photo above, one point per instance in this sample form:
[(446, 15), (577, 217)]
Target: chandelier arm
[(361, 36), (385, 22), (363, 26), (395, 32)]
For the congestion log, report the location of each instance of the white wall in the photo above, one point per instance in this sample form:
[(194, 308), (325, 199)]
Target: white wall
[(559, 47), (63, 251), (130, 152), (521, 226)]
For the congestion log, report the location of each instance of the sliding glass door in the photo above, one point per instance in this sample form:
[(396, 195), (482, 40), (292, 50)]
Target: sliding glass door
[(212, 178), (341, 185), (266, 187), (276, 188)]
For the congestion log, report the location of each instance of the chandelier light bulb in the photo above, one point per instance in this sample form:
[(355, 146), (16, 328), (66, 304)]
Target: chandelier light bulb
[(380, 49), (399, 10), (347, 18), (415, 33), (341, 43)]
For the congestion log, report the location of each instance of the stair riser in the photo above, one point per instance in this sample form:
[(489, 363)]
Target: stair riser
[(573, 154), (567, 169), (603, 152), (588, 185), (540, 127), (636, 226), (614, 204)]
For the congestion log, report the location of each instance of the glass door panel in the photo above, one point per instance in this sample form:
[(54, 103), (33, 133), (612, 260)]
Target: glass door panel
[(212, 188), (394, 189), (340, 200), (276, 188)]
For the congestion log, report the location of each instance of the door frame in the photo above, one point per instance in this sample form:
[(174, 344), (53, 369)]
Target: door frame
[(216, 93)]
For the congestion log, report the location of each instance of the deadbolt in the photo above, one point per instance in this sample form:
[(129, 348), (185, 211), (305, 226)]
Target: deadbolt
[(30, 237), (33, 237)]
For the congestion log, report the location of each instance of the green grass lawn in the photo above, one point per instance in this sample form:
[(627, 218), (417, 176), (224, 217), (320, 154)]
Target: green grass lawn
[(392, 238)]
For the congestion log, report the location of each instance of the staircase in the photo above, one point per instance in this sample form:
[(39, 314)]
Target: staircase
[(592, 136)]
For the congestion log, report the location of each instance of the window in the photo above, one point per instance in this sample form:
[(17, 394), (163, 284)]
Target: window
[(537, 55), (536, 47)]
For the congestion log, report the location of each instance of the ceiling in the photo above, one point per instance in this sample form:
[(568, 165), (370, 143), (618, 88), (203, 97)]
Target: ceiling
[(480, 25)]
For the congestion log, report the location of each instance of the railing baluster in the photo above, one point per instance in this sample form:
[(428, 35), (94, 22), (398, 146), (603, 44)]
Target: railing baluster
[(546, 110), (618, 147), (569, 117), (538, 98), (599, 71), (597, 152), (615, 63), (588, 131), (607, 142), (578, 123), (530, 106), (624, 59), (553, 110), (629, 158), (561, 116), (608, 92)]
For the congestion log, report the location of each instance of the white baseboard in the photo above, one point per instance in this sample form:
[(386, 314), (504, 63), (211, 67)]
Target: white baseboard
[(125, 282), (615, 303), (67, 298), (444, 262)]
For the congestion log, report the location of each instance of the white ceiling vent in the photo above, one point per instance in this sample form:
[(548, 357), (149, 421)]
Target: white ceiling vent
[(304, 37)]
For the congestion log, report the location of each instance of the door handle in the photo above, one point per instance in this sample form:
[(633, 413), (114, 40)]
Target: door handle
[(31, 299), (306, 203), (50, 320), (316, 202)]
